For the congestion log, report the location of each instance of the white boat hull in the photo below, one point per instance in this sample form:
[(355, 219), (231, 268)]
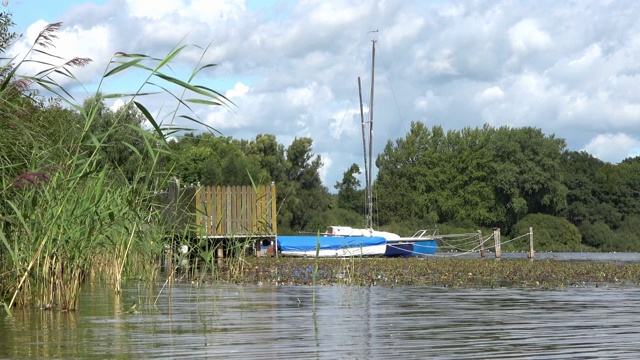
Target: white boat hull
[(373, 250)]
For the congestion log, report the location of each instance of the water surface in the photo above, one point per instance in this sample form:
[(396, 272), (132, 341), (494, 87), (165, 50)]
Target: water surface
[(260, 322)]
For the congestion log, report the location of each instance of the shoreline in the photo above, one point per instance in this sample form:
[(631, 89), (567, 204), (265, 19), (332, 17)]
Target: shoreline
[(442, 272)]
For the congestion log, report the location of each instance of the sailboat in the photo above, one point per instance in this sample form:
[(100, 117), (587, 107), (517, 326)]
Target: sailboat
[(345, 241)]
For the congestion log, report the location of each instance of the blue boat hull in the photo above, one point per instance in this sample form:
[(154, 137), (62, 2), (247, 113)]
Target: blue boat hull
[(425, 247), (399, 250), (331, 246)]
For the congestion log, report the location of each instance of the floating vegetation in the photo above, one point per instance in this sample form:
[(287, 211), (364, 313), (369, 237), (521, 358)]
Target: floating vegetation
[(440, 272)]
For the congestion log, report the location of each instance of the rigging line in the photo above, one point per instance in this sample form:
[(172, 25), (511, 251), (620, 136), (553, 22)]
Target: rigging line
[(393, 93), (347, 110)]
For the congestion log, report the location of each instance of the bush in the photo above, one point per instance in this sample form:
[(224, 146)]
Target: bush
[(550, 233), (598, 234)]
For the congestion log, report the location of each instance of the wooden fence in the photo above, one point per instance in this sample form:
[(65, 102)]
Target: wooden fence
[(221, 211), (236, 211)]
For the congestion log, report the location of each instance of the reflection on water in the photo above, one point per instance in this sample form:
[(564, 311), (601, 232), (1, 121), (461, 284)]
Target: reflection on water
[(346, 322)]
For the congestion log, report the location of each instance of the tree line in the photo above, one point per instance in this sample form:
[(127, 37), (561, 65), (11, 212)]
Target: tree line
[(473, 178)]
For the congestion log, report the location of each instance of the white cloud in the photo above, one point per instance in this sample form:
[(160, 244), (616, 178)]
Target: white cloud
[(291, 67), (526, 36), (238, 90), (153, 9), (326, 167), (613, 147), (491, 94), (117, 104)]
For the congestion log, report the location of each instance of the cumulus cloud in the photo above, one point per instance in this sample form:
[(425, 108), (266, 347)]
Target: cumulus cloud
[(291, 67), (490, 94), (613, 147), (526, 36)]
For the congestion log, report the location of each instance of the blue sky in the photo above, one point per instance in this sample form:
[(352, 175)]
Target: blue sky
[(26, 12), (568, 68)]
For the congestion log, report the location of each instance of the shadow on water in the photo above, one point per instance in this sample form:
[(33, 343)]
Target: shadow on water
[(344, 322)]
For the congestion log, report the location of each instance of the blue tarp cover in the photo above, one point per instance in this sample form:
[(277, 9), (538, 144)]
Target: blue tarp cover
[(308, 242)]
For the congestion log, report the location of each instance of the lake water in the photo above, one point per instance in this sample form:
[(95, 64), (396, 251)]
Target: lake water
[(267, 322)]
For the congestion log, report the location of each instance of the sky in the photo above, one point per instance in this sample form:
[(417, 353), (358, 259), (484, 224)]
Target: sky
[(569, 68)]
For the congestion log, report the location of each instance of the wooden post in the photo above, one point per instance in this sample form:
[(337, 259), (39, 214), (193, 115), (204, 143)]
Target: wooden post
[(496, 237), (482, 254), (530, 255), (220, 252)]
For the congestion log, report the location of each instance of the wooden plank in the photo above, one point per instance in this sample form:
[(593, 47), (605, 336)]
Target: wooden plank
[(218, 210), (209, 229), (228, 211), (241, 202), (223, 211), (245, 211), (233, 195), (253, 210), (260, 207)]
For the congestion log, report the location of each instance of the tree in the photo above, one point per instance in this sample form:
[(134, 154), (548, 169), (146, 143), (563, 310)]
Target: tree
[(349, 197), (214, 160), (598, 235), (117, 134), (436, 176), (584, 187), (526, 173), (270, 155), (6, 35), (407, 177), (301, 195)]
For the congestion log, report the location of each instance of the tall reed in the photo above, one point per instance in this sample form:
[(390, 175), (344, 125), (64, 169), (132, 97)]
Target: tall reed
[(66, 212)]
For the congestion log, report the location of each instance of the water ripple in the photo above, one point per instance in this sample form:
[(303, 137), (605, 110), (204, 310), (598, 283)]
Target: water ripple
[(254, 322)]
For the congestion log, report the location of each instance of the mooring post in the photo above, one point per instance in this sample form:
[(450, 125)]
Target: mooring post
[(496, 237), (220, 254), (481, 243), (530, 255)]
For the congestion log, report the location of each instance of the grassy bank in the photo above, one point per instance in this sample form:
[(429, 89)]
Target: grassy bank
[(446, 272)]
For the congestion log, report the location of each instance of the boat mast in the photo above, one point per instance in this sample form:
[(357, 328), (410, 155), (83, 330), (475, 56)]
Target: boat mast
[(364, 155), (370, 182)]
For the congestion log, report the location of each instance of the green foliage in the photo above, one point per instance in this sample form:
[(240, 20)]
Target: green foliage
[(628, 234), (550, 233), (598, 235), (6, 35), (349, 197), (462, 227), (492, 177), (65, 211), (526, 173), (211, 160), (580, 172), (302, 200)]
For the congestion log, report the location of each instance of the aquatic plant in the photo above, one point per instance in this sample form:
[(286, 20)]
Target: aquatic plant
[(68, 209), (445, 272)]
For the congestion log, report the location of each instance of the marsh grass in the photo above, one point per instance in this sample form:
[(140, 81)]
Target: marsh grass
[(65, 213), (447, 272)]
